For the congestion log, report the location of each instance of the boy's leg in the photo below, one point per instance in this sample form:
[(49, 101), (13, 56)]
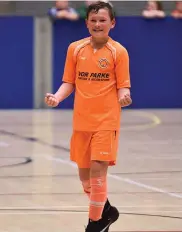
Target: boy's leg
[(81, 154), (103, 153), (98, 184), (84, 174), (95, 179), (100, 219)]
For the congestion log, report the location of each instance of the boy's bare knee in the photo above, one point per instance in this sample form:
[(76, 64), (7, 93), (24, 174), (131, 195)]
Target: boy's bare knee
[(98, 168)]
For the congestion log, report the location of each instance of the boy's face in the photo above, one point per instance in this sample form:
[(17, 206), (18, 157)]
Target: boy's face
[(99, 24)]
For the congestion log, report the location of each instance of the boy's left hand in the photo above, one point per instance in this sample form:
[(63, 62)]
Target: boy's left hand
[(124, 97)]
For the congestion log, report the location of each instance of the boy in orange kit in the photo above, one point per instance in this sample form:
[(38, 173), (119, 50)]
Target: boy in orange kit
[(97, 68)]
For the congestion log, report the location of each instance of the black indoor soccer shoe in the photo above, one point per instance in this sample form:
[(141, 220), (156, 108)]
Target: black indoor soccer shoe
[(111, 215), (102, 225), (110, 212), (97, 226)]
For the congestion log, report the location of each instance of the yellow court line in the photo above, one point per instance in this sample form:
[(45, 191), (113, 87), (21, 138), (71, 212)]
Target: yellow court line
[(155, 121)]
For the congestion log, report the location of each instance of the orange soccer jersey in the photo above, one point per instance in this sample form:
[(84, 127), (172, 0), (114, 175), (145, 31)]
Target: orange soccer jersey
[(97, 75)]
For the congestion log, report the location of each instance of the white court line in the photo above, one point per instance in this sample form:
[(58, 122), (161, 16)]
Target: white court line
[(126, 180), (156, 158), (69, 212), (149, 187), (68, 207), (159, 178), (4, 144), (41, 213), (157, 142)]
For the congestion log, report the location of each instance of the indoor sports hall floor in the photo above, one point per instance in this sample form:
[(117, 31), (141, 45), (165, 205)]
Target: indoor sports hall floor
[(39, 186)]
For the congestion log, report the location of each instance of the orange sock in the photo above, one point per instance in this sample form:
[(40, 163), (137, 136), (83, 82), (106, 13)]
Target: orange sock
[(98, 197), (86, 187)]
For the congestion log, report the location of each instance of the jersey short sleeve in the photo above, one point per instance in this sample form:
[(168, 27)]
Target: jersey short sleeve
[(122, 68), (70, 66)]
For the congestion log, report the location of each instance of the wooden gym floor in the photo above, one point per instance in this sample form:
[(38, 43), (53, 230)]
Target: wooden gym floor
[(39, 186)]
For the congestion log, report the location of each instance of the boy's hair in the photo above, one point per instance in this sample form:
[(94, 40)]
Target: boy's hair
[(96, 6)]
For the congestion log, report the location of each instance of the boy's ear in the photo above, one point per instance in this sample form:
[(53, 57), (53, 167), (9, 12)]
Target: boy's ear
[(113, 23)]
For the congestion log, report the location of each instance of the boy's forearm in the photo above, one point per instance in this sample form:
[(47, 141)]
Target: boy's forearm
[(64, 91)]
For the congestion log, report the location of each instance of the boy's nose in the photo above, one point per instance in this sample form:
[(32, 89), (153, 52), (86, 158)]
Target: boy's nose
[(97, 23)]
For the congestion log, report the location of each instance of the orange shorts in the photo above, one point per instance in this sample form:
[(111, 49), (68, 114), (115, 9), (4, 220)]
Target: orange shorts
[(88, 146)]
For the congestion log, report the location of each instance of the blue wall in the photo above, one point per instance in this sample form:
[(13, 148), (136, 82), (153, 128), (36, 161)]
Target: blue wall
[(16, 62), (155, 49)]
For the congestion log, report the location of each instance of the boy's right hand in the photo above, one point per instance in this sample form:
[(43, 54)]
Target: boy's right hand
[(51, 100)]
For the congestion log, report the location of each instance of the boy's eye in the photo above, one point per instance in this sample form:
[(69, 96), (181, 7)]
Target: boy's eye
[(102, 20)]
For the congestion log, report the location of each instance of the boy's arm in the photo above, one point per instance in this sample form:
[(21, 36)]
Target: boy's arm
[(68, 78), (64, 91), (123, 78)]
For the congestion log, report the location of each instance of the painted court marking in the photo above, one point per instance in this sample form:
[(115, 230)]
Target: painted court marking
[(69, 210), (154, 121), (4, 144), (126, 180), (61, 207)]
